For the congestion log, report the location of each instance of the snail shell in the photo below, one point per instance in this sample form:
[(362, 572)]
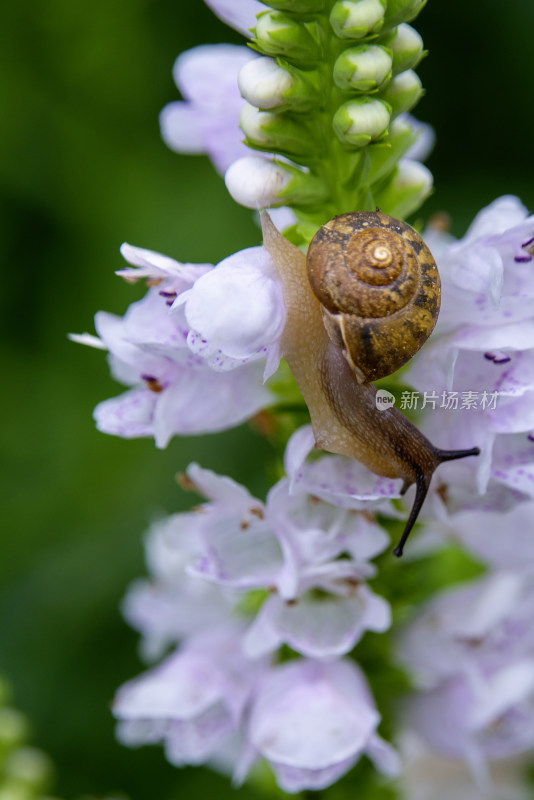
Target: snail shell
[(379, 289)]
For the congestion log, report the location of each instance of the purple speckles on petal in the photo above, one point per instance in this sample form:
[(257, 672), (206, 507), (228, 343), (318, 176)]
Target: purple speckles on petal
[(523, 259)]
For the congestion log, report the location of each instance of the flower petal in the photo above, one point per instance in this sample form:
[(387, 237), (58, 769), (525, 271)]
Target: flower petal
[(241, 16)]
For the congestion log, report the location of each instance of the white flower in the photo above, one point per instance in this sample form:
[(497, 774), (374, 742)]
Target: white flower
[(236, 312)]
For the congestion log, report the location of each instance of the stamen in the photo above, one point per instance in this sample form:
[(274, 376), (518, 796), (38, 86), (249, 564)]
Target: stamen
[(523, 258), (152, 383), (171, 297), (498, 357), (186, 483)]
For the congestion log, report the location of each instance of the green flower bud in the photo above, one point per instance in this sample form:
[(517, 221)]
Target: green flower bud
[(279, 34), (403, 11), (269, 84), (298, 6), (384, 156), (363, 69), (403, 92), (406, 46), (410, 185), (274, 132), (361, 121), (354, 19)]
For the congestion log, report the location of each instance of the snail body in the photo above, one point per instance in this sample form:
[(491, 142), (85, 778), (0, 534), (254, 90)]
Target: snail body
[(334, 351)]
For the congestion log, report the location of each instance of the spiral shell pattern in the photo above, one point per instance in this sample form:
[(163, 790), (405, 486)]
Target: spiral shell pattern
[(379, 287)]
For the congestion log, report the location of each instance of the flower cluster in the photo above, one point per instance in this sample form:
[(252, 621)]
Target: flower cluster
[(232, 583), (484, 342), (471, 649), (261, 604), (182, 382), (274, 101)]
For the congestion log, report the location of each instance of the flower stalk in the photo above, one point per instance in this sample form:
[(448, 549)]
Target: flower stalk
[(351, 64)]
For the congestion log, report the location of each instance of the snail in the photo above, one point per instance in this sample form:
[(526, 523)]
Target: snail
[(358, 306)]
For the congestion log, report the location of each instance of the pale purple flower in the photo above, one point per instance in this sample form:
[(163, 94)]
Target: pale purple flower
[(487, 286), (207, 119), (337, 479), (217, 692), (292, 546), (426, 138), (312, 721), (236, 312), (472, 650), (174, 391), (192, 702), (502, 538), (240, 15), (492, 719), (473, 629), (322, 628), (483, 346), (172, 604)]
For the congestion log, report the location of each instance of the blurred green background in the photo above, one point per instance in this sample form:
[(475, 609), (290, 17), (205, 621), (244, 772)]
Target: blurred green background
[(82, 169)]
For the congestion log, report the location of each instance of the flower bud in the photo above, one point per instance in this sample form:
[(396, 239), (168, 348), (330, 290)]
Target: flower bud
[(354, 19), (275, 132), (361, 121), (363, 68), (298, 6), (403, 92), (263, 83), (383, 159), (266, 84), (259, 183), (279, 34), (407, 47), (403, 10), (409, 186)]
